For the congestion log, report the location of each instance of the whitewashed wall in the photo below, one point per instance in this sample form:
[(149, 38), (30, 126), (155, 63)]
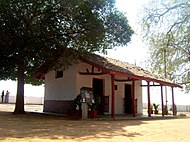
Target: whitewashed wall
[(83, 80), (69, 86), (61, 88), (139, 97), (86, 81), (120, 95), (119, 98)]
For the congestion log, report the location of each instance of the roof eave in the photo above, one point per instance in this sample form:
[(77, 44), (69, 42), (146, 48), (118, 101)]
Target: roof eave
[(163, 83)]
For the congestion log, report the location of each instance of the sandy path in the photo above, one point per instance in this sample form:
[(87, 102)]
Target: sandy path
[(37, 128)]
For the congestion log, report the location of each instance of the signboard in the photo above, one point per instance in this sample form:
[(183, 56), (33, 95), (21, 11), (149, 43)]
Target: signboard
[(87, 94)]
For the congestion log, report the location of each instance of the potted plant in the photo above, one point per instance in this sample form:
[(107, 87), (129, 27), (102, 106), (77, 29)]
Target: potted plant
[(77, 104), (151, 109), (155, 108), (165, 109), (92, 113), (175, 109)]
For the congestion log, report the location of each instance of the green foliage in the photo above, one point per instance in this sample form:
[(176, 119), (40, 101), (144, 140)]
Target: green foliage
[(166, 30), (155, 106), (93, 105), (78, 102), (36, 31), (165, 108)]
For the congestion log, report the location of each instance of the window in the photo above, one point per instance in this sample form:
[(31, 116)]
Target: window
[(116, 88), (59, 74)]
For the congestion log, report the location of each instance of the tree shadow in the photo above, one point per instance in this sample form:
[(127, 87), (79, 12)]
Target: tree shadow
[(31, 126)]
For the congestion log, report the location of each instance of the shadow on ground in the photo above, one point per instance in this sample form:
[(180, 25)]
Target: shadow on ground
[(54, 128)]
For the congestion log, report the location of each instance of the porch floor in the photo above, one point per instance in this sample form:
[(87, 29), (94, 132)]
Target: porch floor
[(117, 116), (130, 117)]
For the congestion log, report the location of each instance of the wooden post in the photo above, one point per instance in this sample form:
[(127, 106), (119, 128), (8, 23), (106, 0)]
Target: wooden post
[(133, 98), (162, 101), (148, 91), (173, 104), (113, 96)]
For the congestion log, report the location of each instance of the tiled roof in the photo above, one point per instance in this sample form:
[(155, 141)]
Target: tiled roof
[(128, 69), (119, 67)]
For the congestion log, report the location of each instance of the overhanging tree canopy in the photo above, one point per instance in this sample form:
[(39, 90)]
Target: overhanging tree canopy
[(34, 31), (166, 26)]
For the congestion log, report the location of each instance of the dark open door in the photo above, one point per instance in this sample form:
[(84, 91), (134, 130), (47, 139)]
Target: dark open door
[(128, 99), (98, 91)]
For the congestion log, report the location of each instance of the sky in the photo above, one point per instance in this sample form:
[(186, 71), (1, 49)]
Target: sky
[(135, 52)]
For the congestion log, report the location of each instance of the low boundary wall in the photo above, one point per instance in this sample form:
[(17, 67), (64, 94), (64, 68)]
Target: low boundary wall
[(28, 100), (180, 108)]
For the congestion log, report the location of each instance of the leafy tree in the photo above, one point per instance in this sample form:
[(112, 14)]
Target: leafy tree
[(35, 31), (166, 26)]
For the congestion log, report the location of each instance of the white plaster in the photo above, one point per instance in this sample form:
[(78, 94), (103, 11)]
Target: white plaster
[(61, 88), (69, 86), (119, 98), (138, 96)]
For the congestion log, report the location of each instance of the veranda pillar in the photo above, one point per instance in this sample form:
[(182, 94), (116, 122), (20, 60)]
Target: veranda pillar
[(173, 103), (133, 98), (162, 101), (113, 96), (148, 93)]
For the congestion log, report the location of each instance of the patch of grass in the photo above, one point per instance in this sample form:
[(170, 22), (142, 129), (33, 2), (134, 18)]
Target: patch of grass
[(182, 115)]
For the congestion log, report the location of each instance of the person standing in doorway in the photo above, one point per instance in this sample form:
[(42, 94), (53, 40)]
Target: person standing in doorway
[(7, 96), (2, 96)]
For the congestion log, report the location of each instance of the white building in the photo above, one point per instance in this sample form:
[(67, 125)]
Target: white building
[(119, 85)]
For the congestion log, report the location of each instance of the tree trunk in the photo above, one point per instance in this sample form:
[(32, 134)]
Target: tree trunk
[(19, 106)]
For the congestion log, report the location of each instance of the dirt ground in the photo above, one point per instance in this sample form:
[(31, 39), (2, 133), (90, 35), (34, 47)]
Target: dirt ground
[(37, 128)]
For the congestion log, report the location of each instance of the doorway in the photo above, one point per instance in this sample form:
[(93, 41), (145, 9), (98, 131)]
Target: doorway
[(98, 90), (128, 99)]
